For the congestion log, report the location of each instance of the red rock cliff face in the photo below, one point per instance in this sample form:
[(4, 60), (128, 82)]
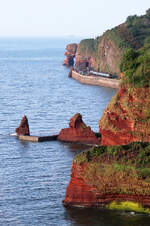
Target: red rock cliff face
[(70, 54), (109, 56), (82, 193), (126, 118), (78, 191), (78, 132)]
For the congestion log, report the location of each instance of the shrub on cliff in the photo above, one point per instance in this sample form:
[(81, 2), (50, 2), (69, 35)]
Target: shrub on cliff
[(136, 153), (139, 26), (87, 46), (136, 67)]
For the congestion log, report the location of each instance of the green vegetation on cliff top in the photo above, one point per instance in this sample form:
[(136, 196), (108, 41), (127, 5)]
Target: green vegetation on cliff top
[(139, 26), (136, 153), (136, 67)]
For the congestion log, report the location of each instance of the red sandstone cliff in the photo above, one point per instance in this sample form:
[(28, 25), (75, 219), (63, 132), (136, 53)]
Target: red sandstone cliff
[(78, 132), (70, 54), (81, 193), (126, 118), (103, 175)]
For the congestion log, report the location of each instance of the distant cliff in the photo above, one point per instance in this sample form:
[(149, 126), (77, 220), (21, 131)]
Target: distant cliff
[(104, 53)]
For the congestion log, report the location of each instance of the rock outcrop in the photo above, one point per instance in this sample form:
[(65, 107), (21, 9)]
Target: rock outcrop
[(104, 175), (126, 118), (70, 54), (78, 132), (23, 128)]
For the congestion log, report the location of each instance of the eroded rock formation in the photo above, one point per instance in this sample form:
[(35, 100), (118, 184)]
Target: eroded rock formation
[(23, 128), (78, 132), (70, 54), (126, 118)]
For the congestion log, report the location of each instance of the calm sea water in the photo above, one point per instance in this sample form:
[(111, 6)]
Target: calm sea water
[(34, 176)]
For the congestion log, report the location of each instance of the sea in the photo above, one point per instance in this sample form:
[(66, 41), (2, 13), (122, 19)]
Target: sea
[(34, 176)]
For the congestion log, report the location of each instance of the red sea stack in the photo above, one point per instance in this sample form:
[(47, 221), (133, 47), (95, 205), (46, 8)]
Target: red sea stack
[(70, 54), (23, 128), (78, 132)]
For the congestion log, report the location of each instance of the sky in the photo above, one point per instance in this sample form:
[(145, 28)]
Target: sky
[(57, 18)]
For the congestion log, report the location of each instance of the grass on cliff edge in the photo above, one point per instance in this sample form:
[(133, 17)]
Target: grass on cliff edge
[(123, 169), (136, 153)]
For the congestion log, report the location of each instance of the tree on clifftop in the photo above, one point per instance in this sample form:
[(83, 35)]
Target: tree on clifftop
[(136, 67)]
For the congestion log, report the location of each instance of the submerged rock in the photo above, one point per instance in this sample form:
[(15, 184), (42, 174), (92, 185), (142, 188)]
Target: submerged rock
[(23, 128), (78, 132)]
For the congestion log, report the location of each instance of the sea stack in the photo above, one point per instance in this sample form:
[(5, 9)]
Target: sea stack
[(23, 128), (78, 132), (70, 54)]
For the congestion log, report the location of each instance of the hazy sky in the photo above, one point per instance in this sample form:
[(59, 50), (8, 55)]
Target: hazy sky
[(86, 18)]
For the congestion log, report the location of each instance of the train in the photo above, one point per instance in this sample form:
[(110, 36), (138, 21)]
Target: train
[(102, 74), (91, 72)]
